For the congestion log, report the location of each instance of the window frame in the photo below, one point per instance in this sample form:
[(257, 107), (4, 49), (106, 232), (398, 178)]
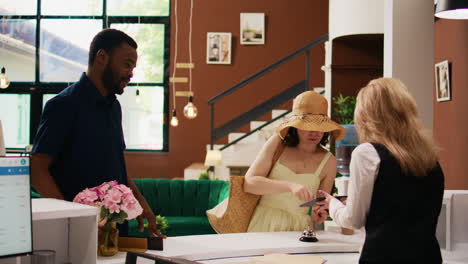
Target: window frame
[(37, 88)]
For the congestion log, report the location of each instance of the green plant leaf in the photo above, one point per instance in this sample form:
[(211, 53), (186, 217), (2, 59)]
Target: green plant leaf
[(104, 212), (344, 108), (123, 215), (204, 176), (161, 224)]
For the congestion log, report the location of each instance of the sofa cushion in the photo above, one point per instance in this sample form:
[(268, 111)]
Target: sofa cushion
[(182, 202), (188, 225), (182, 198), (178, 226)]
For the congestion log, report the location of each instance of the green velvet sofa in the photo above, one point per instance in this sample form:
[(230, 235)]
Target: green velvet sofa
[(182, 202)]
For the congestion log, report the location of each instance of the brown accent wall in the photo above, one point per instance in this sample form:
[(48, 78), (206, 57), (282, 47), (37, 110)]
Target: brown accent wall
[(356, 59), (290, 25), (451, 117)]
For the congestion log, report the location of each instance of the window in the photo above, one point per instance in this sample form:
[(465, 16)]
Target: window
[(45, 49)]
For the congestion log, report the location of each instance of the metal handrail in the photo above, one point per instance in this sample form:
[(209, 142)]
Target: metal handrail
[(242, 119), (267, 69), (255, 130), (259, 110)]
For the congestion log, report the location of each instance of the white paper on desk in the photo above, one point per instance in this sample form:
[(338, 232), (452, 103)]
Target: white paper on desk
[(2, 141), (285, 258)]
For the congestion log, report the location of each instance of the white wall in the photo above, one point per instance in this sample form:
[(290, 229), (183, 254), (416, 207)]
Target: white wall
[(409, 50), (408, 27), (350, 17)]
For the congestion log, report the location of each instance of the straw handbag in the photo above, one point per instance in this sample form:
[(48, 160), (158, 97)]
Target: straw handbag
[(234, 213)]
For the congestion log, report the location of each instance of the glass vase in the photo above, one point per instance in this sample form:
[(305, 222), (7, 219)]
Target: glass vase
[(108, 238)]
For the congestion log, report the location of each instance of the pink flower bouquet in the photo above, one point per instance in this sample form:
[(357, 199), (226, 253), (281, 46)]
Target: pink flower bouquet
[(116, 201)]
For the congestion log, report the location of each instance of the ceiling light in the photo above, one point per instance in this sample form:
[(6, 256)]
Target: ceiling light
[(452, 9), (4, 82), (174, 119), (190, 110)]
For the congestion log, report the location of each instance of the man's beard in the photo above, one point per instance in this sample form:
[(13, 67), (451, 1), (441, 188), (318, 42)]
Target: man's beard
[(111, 80)]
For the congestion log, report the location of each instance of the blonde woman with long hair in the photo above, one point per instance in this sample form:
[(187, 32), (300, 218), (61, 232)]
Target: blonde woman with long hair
[(396, 183)]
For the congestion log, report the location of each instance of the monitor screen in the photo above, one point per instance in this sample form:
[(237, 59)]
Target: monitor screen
[(15, 207)]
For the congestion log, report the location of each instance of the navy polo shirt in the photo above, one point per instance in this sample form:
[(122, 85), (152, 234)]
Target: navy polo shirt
[(82, 131)]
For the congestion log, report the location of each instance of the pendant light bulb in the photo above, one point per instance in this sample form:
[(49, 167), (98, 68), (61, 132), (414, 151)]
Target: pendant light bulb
[(190, 110), (137, 97), (4, 82), (174, 120)]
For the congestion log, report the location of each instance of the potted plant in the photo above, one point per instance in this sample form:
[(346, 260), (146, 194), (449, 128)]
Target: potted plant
[(344, 112), (344, 109), (161, 224), (117, 204)]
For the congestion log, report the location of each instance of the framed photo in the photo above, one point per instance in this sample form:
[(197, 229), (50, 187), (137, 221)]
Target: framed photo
[(442, 81), (252, 28), (218, 48)]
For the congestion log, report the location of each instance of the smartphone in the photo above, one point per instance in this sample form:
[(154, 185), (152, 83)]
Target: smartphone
[(341, 197), (312, 202)]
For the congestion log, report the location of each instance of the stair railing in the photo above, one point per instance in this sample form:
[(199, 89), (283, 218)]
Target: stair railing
[(261, 109)]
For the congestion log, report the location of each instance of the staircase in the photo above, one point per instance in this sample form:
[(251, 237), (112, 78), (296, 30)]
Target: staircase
[(238, 157), (242, 148)]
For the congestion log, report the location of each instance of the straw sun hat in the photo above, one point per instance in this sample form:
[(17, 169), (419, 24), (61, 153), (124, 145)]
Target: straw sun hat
[(310, 113)]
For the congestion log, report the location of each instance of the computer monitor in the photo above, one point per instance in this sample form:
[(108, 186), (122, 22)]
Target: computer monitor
[(15, 207)]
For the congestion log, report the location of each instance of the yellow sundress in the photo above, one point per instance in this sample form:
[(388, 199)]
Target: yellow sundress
[(281, 211)]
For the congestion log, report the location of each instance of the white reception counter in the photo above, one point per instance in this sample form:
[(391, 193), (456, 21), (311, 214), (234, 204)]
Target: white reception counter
[(71, 230), (228, 248)]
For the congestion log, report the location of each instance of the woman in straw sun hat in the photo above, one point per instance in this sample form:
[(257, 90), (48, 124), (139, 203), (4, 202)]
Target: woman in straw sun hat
[(303, 167), (396, 184)]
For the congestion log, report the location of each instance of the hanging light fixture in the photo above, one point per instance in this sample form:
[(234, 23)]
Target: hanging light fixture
[(174, 119), (4, 81), (452, 9), (190, 110), (137, 96)]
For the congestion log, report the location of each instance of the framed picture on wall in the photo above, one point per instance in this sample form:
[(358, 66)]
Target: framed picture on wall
[(442, 81), (252, 28), (218, 48)]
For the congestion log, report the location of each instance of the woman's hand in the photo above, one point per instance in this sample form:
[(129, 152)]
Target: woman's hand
[(301, 192), (319, 214), (325, 203)]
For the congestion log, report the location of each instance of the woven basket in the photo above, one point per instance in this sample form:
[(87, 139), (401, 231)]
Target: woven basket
[(234, 213)]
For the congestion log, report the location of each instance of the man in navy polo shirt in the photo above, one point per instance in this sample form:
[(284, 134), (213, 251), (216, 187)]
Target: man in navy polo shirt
[(79, 143)]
